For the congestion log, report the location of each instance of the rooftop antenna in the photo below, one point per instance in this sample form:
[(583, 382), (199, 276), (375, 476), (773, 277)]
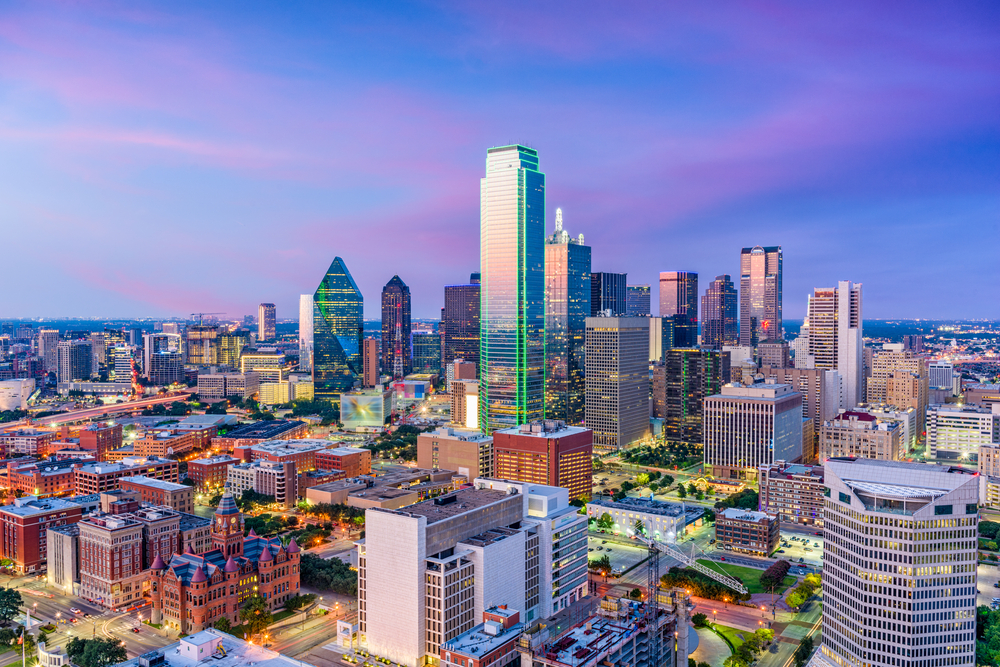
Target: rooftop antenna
[(558, 220)]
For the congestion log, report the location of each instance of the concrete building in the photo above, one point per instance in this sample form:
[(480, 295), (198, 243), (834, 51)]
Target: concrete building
[(617, 380), (63, 558), (774, 353), (174, 439), (981, 394), (860, 434), (546, 452), (99, 477), (989, 474), (352, 461), (820, 391), (278, 480), (742, 530), (24, 525), (940, 375), (388, 491), (266, 320), (955, 432), (269, 365), (216, 386), (286, 391), (465, 403), (26, 441), (305, 332), (459, 369), (179, 497), (663, 521), (468, 452), (792, 491), (899, 378), (220, 648), (750, 426), (75, 360), (899, 563), (14, 394), (48, 349), (835, 337), (493, 642), (256, 433)]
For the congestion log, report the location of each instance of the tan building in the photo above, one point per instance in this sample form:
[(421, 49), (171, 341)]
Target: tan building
[(369, 491), (820, 391), (98, 477), (271, 478), (465, 403), (899, 378), (468, 452), (269, 366), (981, 394), (861, 435), (216, 386), (370, 377)]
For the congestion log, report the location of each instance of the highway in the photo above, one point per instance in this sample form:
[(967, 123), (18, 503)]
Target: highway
[(91, 413)]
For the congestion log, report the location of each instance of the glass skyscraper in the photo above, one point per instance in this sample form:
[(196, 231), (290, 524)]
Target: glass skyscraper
[(608, 292), (337, 330), (760, 295), (396, 359), (460, 322), (567, 306), (718, 314), (512, 260), (637, 301), (679, 299)]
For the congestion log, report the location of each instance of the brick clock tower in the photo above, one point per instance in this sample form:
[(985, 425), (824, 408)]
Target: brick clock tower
[(227, 528)]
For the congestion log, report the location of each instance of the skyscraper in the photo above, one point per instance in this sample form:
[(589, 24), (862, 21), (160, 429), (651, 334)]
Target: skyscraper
[(718, 314), (760, 294), (397, 359), (608, 292), (692, 375), (637, 301), (337, 329), (460, 322), (835, 336), (305, 332), (426, 347), (265, 322), (512, 259), (74, 360), (48, 341), (679, 299), (617, 382), (567, 306)]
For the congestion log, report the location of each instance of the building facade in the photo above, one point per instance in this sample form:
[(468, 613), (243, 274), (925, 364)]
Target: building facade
[(792, 491), (617, 380), (338, 308), (608, 294), (956, 432), (23, 525), (111, 553), (546, 452), (741, 530), (679, 300), (460, 322), (835, 337), (397, 357), (426, 352), (467, 452), (691, 375), (760, 294), (637, 301), (856, 433), (179, 497), (465, 403), (266, 322), (718, 314), (305, 332)]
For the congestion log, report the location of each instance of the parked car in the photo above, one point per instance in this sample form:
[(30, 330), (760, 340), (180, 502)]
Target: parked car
[(600, 548), (808, 549), (781, 551), (604, 541), (712, 541)]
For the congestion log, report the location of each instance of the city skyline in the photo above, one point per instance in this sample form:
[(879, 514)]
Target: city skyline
[(227, 125)]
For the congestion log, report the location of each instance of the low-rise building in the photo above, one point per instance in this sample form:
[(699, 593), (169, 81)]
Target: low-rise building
[(179, 497), (468, 452), (101, 438), (859, 434), (662, 521), (266, 477), (352, 461), (174, 439), (392, 490), (98, 477), (42, 478), (210, 474), (24, 524), (744, 530), (111, 549), (792, 491), (218, 648), (27, 441), (216, 386), (301, 452), (493, 642), (249, 435), (981, 394), (546, 452), (956, 432)]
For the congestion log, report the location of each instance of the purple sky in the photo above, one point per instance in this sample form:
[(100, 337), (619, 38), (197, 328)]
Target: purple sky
[(162, 158)]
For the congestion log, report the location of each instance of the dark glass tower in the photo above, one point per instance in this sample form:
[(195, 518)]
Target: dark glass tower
[(337, 330), (608, 291), (512, 260), (691, 375), (679, 299), (567, 305), (760, 295), (637, 301), (460, 322), (426, 352), (718, 314), (397, 360)]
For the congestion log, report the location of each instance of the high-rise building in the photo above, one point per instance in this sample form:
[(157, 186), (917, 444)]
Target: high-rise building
[(75, 360), (161, 343), (835, 337), (546, 452), (426, 352), (460, 322), (460, 369), (397, 361), (885, 363), (567, 306), (956, 432), (894, 591), (617, 380), (820, 391), (692, 375), (774, 353), (370, 374), (637, 301), (338, 308), (512, 259), (465, 403), (913, 343), (860, 434), (608, 294), (747, 427), (305, 332), (266, 322), (679, 299), (230, 345), (661, 337), (760, 294), (48, 341), (121, 364), (718, 314), (941, 375), (201, 344)]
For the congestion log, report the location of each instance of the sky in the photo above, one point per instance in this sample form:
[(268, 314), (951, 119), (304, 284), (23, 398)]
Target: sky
[(159, 159)]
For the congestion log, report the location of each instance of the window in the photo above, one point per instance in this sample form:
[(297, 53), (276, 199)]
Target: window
[(844, 498), (971, 508), (942, 509)]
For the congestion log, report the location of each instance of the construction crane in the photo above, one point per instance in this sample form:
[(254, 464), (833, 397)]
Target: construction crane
[(202, 315)]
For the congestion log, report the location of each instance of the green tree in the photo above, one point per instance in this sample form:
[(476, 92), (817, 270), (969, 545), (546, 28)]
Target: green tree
[(667, 480), (692, 489), (989, 529), (223, 625), (635, 594), (7, 636), (681, 491), (653, 486), (297, 602), (642, 479), (10, 603), (804, 650), (699, 620), (95, 652), (605, 522), (601, 565), (255, 614)]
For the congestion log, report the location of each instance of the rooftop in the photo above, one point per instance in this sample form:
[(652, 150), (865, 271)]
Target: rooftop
[(737, 514), (202, 647), (654, 507), (214, 459), (32, 506), (345, 451), (265, 429), (483, 638), (155, 483), (549, 428), (453, 504)]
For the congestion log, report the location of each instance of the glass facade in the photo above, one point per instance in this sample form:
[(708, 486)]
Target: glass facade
[(567, 305), (679, 299), (691, 375), (396, 357), (512, 260), (718, 314), (637, 301), (460, 322), (426, 352), (760, 295), (608, 292), (337, 329)]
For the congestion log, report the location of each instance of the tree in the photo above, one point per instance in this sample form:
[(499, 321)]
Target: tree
[(577, 502), (804, 650), (635, 594), (699, 620), (681, 491), (255, 614), (989, 529), (667, 480), (95, 652), (692, 489), (601, 565), (328, 575), (605, 522), (10, 603), (218, 408), (223, 625), (642, 479), (653, 486)]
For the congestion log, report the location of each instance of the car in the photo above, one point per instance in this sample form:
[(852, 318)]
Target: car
[(818, 533), (722, 557), (608, 549), (808, 549), (712, 541), (781, 551), (600, 548), (802, 560), (590, 549), (604, 541), (72, 620), (816, 544), (135, 630), (74, 610), (996, 585)]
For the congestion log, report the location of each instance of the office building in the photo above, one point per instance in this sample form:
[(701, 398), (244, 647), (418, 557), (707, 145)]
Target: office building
[(747, 531), (371, 375), (257, 433), (661, 337), (747, 426), (266, 321), (467, 452), (835, 337), (820, 391), (742, 364), (637, 301), (216, 386), (230, 346), (48, 349), (679, 300), (567, 306), (460, 369), (14, 394), (460, 323), (956, 432), (278, 480), (296, 388), (899, 378), (305, 332), (75, 360), (210, 473), (913, 343), (663, 521), (397, 361), (899, 564), (201, 344), (111, 549), (718, 314), (465, 403), (492, 642), (100, 477), (760, 295), (940, 374), (352, 461), (692, 375), (608, 294), (792, 491), (855, 433), (178, 497), (193, 591), (774, 353), (427, 573), (617, 380), (24, 524), (221, 648), (101, 439), (546, 452), (512, 258), (981, 394), (905, 417), (164, 367), (337, 311), (268, 365), (426, 352)]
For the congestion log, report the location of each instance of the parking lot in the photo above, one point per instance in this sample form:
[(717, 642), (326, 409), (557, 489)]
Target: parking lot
[(622, 556), (988, 575), (795, 547), (615, 480)]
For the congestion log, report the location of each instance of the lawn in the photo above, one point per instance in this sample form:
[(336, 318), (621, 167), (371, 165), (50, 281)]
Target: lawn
[(730, 635), (749, 576)]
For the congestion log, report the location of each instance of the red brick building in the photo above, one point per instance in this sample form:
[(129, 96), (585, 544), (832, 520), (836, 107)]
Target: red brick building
[(175, 439), (493, 642), (43, 478), (28, 441), (546, 452), (210, 473), (23, 527), (353, 461), (111, 549), (101, 438), (301, 452), (178, 497), (98, 477), (192, 592)]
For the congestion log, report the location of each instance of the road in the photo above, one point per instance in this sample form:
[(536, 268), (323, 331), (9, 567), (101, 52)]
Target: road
[(90, 413)]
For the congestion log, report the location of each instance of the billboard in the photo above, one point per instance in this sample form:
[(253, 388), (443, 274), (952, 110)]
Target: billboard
[(362, 410)]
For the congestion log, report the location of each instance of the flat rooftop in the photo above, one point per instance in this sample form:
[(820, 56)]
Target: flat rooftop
[(547, 429), (345, 451), (647, 506), (265, 430), (453, 504), (155, 483), (214, 459), (32, 506), (238, 653), (479, 642), (737, 514)]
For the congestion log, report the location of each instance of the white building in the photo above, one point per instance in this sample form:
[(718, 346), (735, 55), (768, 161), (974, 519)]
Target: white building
[(662, 521), (941, 374), (14, 394), (271, 478), (835, 337), (899, 564), (957, 431), (305, 332), (905, 417)]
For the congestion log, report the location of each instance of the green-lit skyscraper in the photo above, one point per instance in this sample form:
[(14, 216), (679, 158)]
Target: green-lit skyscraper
[(337, 327), (512, 261)]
